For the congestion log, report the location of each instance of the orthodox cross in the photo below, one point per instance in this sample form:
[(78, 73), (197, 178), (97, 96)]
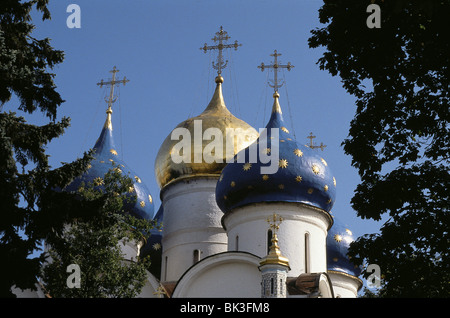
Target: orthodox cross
[(274, 222), (275, 67), (311, 144), (220, 37), (112, 83)]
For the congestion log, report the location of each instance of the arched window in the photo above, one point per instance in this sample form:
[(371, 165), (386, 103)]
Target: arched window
[(307, 256)]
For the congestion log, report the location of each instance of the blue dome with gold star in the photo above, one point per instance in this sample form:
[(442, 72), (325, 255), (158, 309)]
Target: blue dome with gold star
[(338, 241), (106, 158), (302, 175)]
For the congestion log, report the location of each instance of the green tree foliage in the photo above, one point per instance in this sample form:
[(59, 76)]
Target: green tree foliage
[(94, 244), (29, 207), (399, 138)]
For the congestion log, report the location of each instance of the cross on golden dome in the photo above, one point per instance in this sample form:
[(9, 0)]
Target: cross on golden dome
[(221, 37)]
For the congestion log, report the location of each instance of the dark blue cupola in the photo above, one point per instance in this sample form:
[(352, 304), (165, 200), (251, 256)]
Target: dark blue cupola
[(106, 157), (301, 176), (338, 242)]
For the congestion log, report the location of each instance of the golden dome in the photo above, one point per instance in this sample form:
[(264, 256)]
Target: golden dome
[(216, 115)]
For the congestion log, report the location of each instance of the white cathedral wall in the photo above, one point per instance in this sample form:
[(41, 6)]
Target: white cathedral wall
[(191, 223), (248, 228), (223, 275)]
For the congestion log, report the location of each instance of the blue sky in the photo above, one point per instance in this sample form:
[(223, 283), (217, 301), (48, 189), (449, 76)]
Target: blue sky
[(155, 44)]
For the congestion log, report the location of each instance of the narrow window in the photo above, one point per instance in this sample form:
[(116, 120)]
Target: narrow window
[(281, 286), (165, 269), (237, 243), (307, 269), (271, 286), (269, 240), (196, 256)]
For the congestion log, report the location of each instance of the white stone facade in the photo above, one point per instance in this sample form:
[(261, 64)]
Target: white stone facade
[(301, 237), (191, 225)]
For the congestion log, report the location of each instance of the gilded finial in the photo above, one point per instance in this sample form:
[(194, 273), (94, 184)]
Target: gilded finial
[(274, 256), (276, 108)]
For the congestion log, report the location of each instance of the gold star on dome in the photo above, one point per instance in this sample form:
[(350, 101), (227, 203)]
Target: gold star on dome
[(142, 203), (281, 186), (335, 259), (281, 140), (150, 198), (329, 201), (89, 166), (232, 183), (348, 231), (265, 177), (130, 189), (334, 181), (337, 237), (285, 129), (137, 179), (323, 161), (247, 166), (113, 151), (298, 152), (282, 163), (298, 178), (325, 188), (310, 190), (315, 169), (225, 197), (267, 150)]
